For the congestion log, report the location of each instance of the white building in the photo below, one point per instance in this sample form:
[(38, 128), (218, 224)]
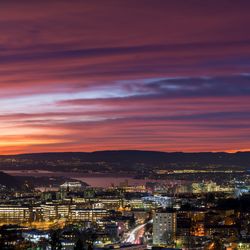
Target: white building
[(71, 186), (35, 236), (164, 227)]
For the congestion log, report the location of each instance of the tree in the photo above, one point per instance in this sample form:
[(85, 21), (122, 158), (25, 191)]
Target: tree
[(132, 222), (79, 245), (55, 240)]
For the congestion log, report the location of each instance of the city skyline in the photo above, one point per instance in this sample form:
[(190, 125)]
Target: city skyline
[(149, 75)]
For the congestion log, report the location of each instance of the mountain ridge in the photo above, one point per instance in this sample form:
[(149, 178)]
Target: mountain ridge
[(121, 151), (132, 157)]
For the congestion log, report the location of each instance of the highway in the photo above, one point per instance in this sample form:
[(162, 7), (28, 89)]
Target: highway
[(135, 234)]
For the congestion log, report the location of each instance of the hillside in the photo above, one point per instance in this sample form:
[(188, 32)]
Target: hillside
[(9, 181), (124, 160)]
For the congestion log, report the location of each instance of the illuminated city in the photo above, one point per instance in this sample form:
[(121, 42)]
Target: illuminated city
[(124, 124)]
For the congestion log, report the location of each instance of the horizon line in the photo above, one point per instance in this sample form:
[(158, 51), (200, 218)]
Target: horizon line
[(138, 150)]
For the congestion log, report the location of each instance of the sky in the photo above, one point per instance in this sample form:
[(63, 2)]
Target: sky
[(136, 74)]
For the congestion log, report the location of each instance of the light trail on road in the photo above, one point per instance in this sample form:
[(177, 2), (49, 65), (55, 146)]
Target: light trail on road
[(136, 233)]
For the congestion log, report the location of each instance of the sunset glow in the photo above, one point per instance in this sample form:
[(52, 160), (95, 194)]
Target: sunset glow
[(83, 76)]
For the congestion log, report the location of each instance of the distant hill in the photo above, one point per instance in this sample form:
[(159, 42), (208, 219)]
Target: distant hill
[(141, 156), (126, 159)]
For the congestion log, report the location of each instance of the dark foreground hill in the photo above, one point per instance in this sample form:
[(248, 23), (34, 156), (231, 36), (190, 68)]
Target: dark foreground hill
[(125, 159), (9, 181)]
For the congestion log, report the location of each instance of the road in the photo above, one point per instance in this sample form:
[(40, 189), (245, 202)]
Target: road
[(135, 234)]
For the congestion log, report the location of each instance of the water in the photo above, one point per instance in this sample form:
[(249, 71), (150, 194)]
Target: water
[(94, 180), (109, 181)]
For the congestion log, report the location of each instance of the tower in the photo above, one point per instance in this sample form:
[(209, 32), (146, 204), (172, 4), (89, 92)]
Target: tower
[(164, 227)]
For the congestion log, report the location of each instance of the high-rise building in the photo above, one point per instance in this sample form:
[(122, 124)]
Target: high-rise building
[(164, 227)]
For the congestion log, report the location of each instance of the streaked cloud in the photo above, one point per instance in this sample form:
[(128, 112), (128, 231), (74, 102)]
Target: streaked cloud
[(158, 75)]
